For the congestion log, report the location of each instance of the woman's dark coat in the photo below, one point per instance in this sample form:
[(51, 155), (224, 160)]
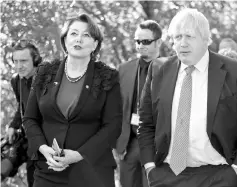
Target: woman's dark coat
[(92, 129)]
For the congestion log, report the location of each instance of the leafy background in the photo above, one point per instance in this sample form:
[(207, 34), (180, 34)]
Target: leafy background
[(41, 21)]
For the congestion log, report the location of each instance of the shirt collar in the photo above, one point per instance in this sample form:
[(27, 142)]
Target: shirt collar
[(201, 65), (27, 81), (144, 63)]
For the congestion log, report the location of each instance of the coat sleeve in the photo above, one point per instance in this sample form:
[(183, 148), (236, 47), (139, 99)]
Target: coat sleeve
[(32, 124), (146, 129), (235, 160), (107, 136), (17, 121)]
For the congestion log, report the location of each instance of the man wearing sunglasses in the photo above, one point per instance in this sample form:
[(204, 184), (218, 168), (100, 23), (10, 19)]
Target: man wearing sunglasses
[(132, 79), (26, 58)]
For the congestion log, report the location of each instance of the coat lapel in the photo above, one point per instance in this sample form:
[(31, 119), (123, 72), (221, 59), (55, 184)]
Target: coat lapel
[(131, 78), (56, 86), (167, 91), (86, 89), (216, 78)]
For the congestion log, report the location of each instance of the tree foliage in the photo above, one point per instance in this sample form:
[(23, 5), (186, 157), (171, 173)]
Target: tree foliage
[(41, 22)]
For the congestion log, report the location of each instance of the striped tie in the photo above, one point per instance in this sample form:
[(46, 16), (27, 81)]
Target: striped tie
[(179, 154)]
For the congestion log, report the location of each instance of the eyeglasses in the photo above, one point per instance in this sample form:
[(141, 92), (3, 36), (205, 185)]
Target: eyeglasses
[(146, 41)]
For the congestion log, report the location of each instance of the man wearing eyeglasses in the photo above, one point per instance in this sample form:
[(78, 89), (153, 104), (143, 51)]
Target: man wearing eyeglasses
[(26, 58), (132, 78)]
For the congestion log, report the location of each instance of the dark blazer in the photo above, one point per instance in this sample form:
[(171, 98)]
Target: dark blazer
[(93, 127), (17, 121), (154, 132), (127, 77), (25, 85)]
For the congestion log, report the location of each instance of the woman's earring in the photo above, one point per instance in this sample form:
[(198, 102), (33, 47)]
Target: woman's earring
[(92, 53)]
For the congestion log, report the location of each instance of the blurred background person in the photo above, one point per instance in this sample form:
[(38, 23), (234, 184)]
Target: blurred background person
[(76, 101), (26, 58), (132, 78), (228, 52), (228, 43)]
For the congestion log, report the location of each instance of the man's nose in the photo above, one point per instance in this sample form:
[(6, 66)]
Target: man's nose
[(140, 45), (19, 65), (183, 42)]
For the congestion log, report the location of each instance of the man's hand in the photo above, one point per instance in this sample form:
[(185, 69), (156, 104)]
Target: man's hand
[(148, 170), (121, 156), (11, 134), (234, 168)]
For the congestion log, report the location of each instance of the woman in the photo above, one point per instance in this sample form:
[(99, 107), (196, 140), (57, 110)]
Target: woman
[(77, 102)]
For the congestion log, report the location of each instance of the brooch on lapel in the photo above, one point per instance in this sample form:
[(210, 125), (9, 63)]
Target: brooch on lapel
[(55, 83)]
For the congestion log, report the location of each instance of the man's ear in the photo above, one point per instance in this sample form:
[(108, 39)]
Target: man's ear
[(159, 42)]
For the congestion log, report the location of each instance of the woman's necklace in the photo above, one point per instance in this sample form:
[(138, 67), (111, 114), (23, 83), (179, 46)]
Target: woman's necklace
[(76, 79)]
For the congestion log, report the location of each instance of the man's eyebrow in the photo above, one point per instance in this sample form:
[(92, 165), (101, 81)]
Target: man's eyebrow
[(73, 30)]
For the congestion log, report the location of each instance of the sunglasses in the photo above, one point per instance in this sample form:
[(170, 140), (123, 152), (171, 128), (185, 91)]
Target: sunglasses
[(146, 41)]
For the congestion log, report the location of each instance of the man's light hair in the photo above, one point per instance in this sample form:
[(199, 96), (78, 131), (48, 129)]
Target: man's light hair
[(189, 19)]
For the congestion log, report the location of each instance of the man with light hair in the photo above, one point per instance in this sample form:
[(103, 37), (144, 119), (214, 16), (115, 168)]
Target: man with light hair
[(188, 126)]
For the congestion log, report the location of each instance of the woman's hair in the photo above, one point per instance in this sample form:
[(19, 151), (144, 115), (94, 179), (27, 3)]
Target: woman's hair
[(228, 52), (93, 29), (191, 19)]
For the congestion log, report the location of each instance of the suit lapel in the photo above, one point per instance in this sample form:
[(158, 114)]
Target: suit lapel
[(167, 92), (86, 88), (216, 78), (130, 80), (56, 86)]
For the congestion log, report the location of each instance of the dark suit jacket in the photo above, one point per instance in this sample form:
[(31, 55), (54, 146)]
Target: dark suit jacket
[(93, 127), (25, 85), (127, 77), (17, 121), (155, 113)]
